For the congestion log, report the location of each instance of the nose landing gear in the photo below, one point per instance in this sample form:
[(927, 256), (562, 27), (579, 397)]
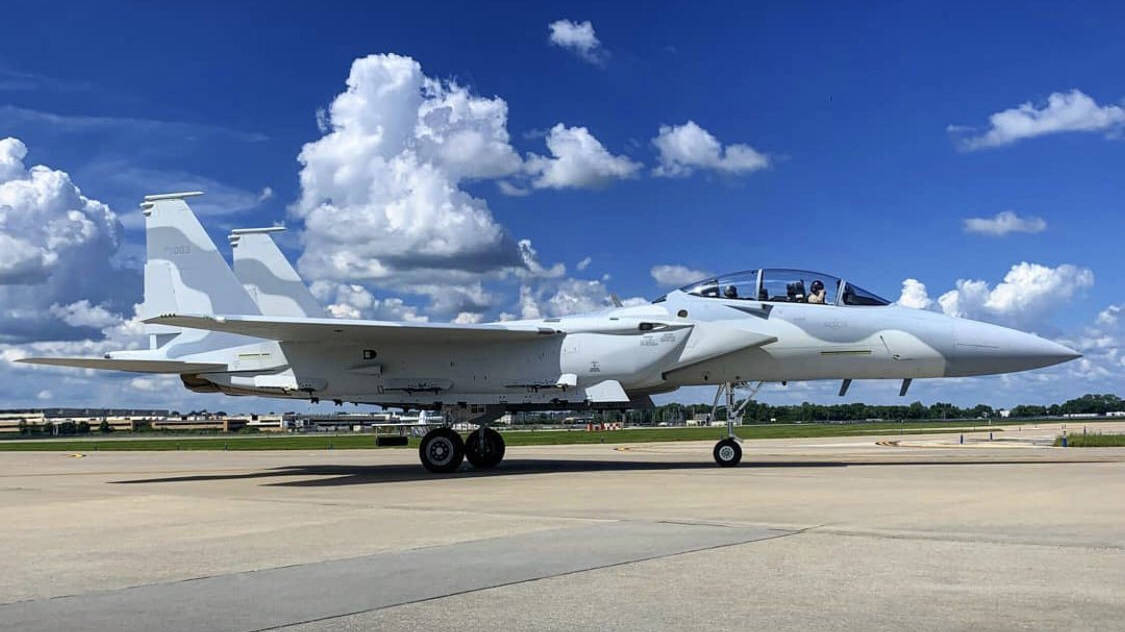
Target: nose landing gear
[(728, 452)]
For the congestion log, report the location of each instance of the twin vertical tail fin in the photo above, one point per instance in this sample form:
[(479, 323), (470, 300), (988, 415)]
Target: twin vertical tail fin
[(268, 277), (185, 274)]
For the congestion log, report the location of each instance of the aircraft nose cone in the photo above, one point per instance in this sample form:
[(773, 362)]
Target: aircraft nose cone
[(983, 349)]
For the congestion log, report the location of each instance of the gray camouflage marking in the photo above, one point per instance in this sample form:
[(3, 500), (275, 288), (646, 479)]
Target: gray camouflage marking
[(253, 271)]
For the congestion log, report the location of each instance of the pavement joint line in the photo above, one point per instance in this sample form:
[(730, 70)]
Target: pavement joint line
[(131, 473), (505, 514), (185, 580), (776, 534), (958, 538), (530, 580)]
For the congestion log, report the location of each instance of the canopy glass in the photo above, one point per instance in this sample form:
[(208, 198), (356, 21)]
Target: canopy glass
[(779, 285)]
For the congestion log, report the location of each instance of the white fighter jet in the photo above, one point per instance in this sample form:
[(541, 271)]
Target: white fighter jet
[(257, 330)]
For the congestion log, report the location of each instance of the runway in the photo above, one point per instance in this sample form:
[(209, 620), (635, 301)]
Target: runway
[(865, 533)]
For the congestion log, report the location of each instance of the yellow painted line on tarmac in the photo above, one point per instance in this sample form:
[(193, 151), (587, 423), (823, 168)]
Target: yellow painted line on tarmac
[(76, 455)]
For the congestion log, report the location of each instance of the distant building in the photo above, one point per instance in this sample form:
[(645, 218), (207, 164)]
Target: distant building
[(51, 418), (700, 419), (10, 420)]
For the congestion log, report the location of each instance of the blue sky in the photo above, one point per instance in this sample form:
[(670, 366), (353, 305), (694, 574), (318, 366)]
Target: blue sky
[(865, 117)]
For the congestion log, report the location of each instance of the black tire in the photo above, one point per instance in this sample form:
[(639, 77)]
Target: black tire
[(442, 451), (727, 453), (487, 455)]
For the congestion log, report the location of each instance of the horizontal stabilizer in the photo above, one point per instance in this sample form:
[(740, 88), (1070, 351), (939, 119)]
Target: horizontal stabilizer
[(134, 366), (341, 330)]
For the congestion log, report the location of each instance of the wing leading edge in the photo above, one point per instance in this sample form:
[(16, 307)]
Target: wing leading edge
[(133, 366), (331, 329)]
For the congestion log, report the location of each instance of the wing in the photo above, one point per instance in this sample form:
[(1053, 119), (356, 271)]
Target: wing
[(331, 329), (133, 366)]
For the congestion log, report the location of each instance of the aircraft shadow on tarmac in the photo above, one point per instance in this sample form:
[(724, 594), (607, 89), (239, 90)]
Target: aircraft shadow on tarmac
[(334, 475)]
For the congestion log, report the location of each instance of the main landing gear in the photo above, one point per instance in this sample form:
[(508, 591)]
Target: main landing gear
[(728, 452), (442, 450), (484, 448)]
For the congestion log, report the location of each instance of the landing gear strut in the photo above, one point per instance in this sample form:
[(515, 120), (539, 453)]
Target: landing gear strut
[(728, 452), (442, 450)]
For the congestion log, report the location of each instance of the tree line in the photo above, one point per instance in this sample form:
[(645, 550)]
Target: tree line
[(759, 412)]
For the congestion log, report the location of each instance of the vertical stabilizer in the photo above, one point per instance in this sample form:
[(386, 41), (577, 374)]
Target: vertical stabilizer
[(185, 273), (268, 277)]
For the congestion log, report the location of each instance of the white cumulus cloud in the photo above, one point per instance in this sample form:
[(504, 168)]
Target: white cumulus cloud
[(1072, 111), (578, 38), (383, 196), (577, 160), (914, 295), (83, 314), (1028, 293), (56, 252), (1109, 315), (468, 318), (156, 383), (381, 191), (353, 301), (512, 190), (1003, 223), (685, 148), (533, 267), (567, 296), (676, 275), (1101, 344)]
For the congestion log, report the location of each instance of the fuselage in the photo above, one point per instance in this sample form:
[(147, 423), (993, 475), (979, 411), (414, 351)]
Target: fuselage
[(681, 340)]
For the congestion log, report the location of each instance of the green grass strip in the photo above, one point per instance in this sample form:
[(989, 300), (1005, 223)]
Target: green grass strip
[(127, 442), (1093, 440)]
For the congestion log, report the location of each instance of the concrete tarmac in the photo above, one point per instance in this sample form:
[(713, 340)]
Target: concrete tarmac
[(853, 533)]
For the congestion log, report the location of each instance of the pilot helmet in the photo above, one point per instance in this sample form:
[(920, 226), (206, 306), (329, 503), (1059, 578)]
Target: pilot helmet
[(817, 285)]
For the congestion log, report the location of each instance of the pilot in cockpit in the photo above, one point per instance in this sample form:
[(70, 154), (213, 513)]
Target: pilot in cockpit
[(817, 293)]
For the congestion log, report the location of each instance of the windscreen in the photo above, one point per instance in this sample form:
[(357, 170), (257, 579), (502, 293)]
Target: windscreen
[(858, 296)]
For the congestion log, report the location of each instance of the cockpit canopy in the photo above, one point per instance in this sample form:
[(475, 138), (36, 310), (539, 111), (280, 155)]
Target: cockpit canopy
[(784, 286)]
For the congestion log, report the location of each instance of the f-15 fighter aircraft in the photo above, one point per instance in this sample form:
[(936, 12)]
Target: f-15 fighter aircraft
[(258, 331)]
